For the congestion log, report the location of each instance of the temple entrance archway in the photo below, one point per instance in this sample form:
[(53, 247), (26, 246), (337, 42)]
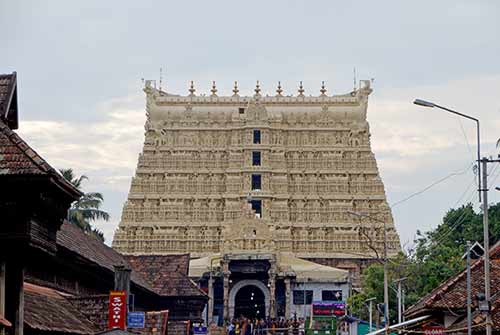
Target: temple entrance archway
[(245, 295)]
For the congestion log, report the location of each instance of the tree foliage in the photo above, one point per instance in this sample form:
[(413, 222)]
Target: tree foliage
[(435, 257), (86, 209)]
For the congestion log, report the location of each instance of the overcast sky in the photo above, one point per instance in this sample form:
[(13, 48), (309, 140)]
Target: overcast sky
[(80, 66)]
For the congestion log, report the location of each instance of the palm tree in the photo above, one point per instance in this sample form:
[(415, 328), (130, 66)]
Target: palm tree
[(87, 208)]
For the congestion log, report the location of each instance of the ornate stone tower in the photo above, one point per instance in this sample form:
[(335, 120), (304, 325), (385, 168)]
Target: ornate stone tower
[(303, 163)]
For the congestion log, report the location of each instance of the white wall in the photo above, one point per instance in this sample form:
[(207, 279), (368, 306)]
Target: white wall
[(317, 288)]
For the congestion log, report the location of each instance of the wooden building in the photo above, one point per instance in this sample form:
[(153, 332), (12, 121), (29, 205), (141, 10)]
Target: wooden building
[(54, 278), (34, 199)]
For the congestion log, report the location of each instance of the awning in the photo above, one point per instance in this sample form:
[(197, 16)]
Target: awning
[(399, 325), (306, 270), (300, 268), (200, 266)]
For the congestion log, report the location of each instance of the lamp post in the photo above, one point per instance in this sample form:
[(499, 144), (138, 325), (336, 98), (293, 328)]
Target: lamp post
[(370, 308), (400, 298), (386, 284), (484, 190)]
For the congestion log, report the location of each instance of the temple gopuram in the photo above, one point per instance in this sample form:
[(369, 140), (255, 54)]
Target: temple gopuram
[(280, 190)]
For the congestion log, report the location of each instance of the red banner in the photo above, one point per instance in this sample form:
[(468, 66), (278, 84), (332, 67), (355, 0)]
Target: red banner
[(117, 316)]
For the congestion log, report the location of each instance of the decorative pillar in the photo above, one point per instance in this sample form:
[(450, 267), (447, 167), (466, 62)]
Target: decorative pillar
[(272, 289), (226, 273), (287, 298), (210, 312)]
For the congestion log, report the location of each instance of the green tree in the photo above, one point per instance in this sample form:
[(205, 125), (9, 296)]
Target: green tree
[(86, 209), (435, 257)]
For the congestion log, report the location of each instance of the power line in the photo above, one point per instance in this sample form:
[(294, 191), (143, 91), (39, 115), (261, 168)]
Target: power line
[(466, 139), (460, 172), (474, 182), (455, 224)]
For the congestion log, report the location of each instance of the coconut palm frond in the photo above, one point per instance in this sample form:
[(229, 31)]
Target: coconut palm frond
[(87, 208), (69, 175)]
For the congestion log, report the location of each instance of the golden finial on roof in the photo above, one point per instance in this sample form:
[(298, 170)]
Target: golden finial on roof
[(323, 89), (214, 89), (191, 88), (235, 89), (257, 88), (301, 89), (279, 90)]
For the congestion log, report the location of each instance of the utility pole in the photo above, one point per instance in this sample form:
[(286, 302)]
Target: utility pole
[(386, 284), (469, 298), (484, 163), (400, 299), (370, 310), (403, 302)]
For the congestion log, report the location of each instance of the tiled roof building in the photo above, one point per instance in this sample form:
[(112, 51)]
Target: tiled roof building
[(55, 277), (447, 303)]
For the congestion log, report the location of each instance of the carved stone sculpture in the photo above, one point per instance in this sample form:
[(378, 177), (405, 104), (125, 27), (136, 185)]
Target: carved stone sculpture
[(303, 162)]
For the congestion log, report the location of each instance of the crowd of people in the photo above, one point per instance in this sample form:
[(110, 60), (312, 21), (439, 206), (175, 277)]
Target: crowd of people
[(246, 326)]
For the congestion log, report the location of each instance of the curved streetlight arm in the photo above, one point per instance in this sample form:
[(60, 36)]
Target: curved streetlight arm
[(425, 103), (457, 113)]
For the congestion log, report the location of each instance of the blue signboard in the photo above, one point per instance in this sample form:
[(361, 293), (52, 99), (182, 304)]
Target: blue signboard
[(136, 319), (202, 330)]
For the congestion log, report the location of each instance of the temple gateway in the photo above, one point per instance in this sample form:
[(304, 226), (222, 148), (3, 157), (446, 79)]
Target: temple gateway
[(261, 191)]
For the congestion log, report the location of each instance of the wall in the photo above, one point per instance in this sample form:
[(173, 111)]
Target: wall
[(317, 288)]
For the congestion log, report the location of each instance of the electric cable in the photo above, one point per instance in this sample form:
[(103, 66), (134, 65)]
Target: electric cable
[(453, 174)]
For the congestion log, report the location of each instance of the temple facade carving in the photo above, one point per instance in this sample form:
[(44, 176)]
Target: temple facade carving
[(302, 164)]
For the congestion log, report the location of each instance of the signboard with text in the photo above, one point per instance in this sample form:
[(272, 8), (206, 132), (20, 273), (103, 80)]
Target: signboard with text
[(328, 308), (434, 330), (117, 315), (136, 319), (200, 330)]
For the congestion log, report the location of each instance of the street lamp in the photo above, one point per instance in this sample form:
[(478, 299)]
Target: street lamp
[(429, 104), (484, 182), (386, 284), (370, 312)]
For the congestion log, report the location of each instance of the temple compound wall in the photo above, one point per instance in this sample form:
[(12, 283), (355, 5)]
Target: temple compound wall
[(303, 163)]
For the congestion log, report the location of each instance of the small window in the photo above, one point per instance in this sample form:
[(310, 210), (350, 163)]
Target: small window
[(331, 295), (256, 136), (256, 158), (256, 182), (298, 297), (241, 110), (257, 207)]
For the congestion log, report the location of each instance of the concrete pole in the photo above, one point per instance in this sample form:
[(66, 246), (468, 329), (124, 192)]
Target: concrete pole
[(487, 293), (370, 317), (399, 302), (210, 309), (305, 300), (469, 298), (386, 284), (403, 303), (287, 298), (370, 312), (400, 298), (226, 273)]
